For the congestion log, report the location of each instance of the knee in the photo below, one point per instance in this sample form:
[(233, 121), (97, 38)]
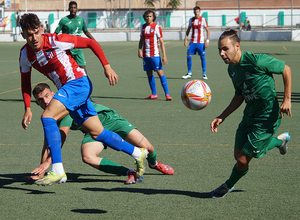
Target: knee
[(242, 164), (86, 159)]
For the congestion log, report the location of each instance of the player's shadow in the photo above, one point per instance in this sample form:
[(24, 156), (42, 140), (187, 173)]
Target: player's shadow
[(295, 96), (12, 100), (202, 195), (84, 178), (131, 98), (89, 211)]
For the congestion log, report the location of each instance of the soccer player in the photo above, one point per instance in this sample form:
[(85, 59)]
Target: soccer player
[(150, 35), (74, 25), (197, 24), (50, 55), (90, 149), (252, 77)]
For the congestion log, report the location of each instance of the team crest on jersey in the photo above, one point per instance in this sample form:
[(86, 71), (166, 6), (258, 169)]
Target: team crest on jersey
[(49, 53), (152, 29), (79, 22), (247, 74)]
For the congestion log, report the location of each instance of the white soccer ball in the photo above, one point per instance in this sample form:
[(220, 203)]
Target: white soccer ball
[(196, 94)]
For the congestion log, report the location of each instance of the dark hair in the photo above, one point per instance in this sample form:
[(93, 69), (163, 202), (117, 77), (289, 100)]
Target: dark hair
[(148, 12), (29, 21), (197, 8), (72, 3), (40, 88), (232, 34)]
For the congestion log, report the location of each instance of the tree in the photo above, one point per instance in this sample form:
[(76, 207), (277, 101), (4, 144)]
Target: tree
[(174, 4)]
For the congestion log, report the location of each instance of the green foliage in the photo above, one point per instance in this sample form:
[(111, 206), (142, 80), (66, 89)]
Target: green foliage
[(150, 3), (174, 4)]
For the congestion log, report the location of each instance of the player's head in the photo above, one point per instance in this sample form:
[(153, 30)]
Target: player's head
[(42, 94), (149, 16), (73, 8), (32, 30), (197, 11), (229, 47)]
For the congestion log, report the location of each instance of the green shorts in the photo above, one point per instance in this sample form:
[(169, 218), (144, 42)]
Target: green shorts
[(112, 122), (254, 137), (78, 56)]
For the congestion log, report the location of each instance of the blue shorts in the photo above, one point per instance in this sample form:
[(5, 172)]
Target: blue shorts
[(199, 48), (74, 95), (152, 63)]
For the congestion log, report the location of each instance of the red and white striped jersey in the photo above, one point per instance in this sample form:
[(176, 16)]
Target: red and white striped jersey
[(55, 60), (198, 25), (151, 33)]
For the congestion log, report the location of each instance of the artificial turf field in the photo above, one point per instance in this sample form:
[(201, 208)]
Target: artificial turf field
[(202, 160)]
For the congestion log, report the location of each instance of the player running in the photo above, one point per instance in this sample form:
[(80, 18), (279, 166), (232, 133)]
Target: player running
[(253, 82), (90, 149), (150, 35), (50, 55), (197, 24)]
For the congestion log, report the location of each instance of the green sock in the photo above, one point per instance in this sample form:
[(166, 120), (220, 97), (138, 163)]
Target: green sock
[(152, 158), (235, 176), (275, 142), (109, 166)]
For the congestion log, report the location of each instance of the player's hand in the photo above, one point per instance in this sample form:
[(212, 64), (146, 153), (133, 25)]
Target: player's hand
[(185, 43), (140, 54), (206, 44), (111, 75), (165, 61), (41, 169), (27, 117), (286, 108), (215, 123)]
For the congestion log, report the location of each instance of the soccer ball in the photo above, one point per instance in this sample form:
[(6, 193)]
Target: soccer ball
[(196, 94)]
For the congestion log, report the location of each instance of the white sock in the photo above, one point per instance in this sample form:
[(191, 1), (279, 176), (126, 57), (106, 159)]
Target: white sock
[(58, 168), (137, 152)]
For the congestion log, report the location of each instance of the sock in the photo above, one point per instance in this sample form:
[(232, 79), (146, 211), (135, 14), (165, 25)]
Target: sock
[(114, 141), (152, 84), (189, 64), (235, 176), (164, 83), (152, 159), (53, 139), (203, 63), (58, 168), (109, 166), (275, 142)]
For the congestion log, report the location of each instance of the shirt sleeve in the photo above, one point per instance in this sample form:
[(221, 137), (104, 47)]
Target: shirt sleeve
[(269, 64), (205, 23), (190, 22), (58, 28), (158, 31), (84, 28)]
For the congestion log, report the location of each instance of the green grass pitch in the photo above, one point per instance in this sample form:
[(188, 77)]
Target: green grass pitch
[(202, 160)]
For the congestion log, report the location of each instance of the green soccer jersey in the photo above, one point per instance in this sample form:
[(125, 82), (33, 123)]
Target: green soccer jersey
[(252, 77)]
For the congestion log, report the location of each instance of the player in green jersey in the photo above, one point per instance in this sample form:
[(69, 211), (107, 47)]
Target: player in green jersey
[(90, 149), (74, 25), (253, 81)]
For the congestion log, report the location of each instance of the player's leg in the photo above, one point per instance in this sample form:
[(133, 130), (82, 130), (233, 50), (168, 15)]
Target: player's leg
[(151, 80), (93, 126), (201, 52), (190, 52), (54, 111)]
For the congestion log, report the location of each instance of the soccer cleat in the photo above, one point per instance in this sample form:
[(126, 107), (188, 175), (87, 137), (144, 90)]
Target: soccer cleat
[(168, 98), (204, 77), (152, 97), (165, 169), (51, 178), (220, 192), (285, 137), (140, 167), (132, 179), (188, 75)]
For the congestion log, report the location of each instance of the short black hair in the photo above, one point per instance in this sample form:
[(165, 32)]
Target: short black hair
[(148, 12), (40, 88), (29, 21), (72, 3), (232, 34), (197, 8)]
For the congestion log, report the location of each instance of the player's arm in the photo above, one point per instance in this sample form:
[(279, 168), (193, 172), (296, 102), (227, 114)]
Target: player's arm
[(163, 50), (46, 161), (186, 36), (286, 106), (88, 34), (26, 93), (236, 101), (207, 36), (82, 42), (140, 52)]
